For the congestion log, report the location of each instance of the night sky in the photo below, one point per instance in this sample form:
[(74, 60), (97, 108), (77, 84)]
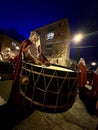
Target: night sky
[(18, 18)]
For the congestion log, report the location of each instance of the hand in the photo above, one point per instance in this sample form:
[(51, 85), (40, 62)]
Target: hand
[(47, 63), (38, 62)]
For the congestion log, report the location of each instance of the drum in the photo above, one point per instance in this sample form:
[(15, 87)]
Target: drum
[(51, 89)]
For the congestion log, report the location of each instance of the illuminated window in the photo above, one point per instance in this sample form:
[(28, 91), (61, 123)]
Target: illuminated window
[(13, 44), (50, 36)]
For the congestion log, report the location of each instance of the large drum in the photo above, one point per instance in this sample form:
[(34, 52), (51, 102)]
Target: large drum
[(51, 89)]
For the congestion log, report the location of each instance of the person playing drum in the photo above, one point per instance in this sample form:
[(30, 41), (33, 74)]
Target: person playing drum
[(31, 49)]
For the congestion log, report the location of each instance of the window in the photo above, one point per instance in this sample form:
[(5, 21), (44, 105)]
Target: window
[(50, 36)]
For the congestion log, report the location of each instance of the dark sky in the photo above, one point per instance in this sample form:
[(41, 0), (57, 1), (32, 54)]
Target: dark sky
[(18, 18)]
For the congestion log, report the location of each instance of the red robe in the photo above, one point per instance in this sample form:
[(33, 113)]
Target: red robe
[(14, 97), (83, 75), (41, 57), (95, 85)]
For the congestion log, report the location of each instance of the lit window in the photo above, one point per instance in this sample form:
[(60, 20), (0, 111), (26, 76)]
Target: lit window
[(50, 35), (13, 44)]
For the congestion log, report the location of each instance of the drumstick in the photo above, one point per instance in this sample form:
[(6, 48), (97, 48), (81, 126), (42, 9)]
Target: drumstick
[(52, 64), (55, 64), (44, 57)]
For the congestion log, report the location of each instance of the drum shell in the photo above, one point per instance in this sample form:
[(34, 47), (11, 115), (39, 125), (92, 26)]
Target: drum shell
[(49, 90)]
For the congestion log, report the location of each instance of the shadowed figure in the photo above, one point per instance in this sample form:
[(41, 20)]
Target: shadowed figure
[(83, 75), (95, 83)]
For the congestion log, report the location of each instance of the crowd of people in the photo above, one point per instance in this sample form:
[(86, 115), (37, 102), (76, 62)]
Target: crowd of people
[(7, 55)]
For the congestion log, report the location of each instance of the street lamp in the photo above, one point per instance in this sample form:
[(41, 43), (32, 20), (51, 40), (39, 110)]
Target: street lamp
[(77, 38), (93, 63), (92, 66)]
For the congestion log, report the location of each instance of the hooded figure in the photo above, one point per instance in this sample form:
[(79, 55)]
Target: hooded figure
[(30, 51), (83, 75)]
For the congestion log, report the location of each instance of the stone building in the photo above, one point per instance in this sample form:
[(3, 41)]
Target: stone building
[(8, 42), (55, 41)]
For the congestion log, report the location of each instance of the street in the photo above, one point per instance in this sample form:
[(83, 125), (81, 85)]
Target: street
[(76, 118)]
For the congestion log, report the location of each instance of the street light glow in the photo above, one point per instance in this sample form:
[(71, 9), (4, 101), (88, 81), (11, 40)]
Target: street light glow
[(17, 48), (77, 38), (93, 63)]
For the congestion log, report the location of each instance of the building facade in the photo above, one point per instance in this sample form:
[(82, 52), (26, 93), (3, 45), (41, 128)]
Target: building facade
[(8, 42), (55, 41)]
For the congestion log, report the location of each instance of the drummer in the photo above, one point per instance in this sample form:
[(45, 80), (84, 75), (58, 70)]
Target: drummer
[(31, 50)]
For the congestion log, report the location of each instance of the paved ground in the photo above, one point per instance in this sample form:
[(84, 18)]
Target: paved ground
[(76, 118)]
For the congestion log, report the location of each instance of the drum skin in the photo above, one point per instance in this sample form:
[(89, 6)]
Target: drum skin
[(50, 89)]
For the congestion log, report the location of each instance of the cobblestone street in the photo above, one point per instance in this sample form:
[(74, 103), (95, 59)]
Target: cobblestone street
[(76, 118)]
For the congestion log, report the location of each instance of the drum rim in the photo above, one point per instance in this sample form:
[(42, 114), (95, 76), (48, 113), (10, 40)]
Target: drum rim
[(48, 75), (46, 67)]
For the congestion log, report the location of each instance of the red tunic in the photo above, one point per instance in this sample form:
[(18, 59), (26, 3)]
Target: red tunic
[(83, 75), (34, 50)]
